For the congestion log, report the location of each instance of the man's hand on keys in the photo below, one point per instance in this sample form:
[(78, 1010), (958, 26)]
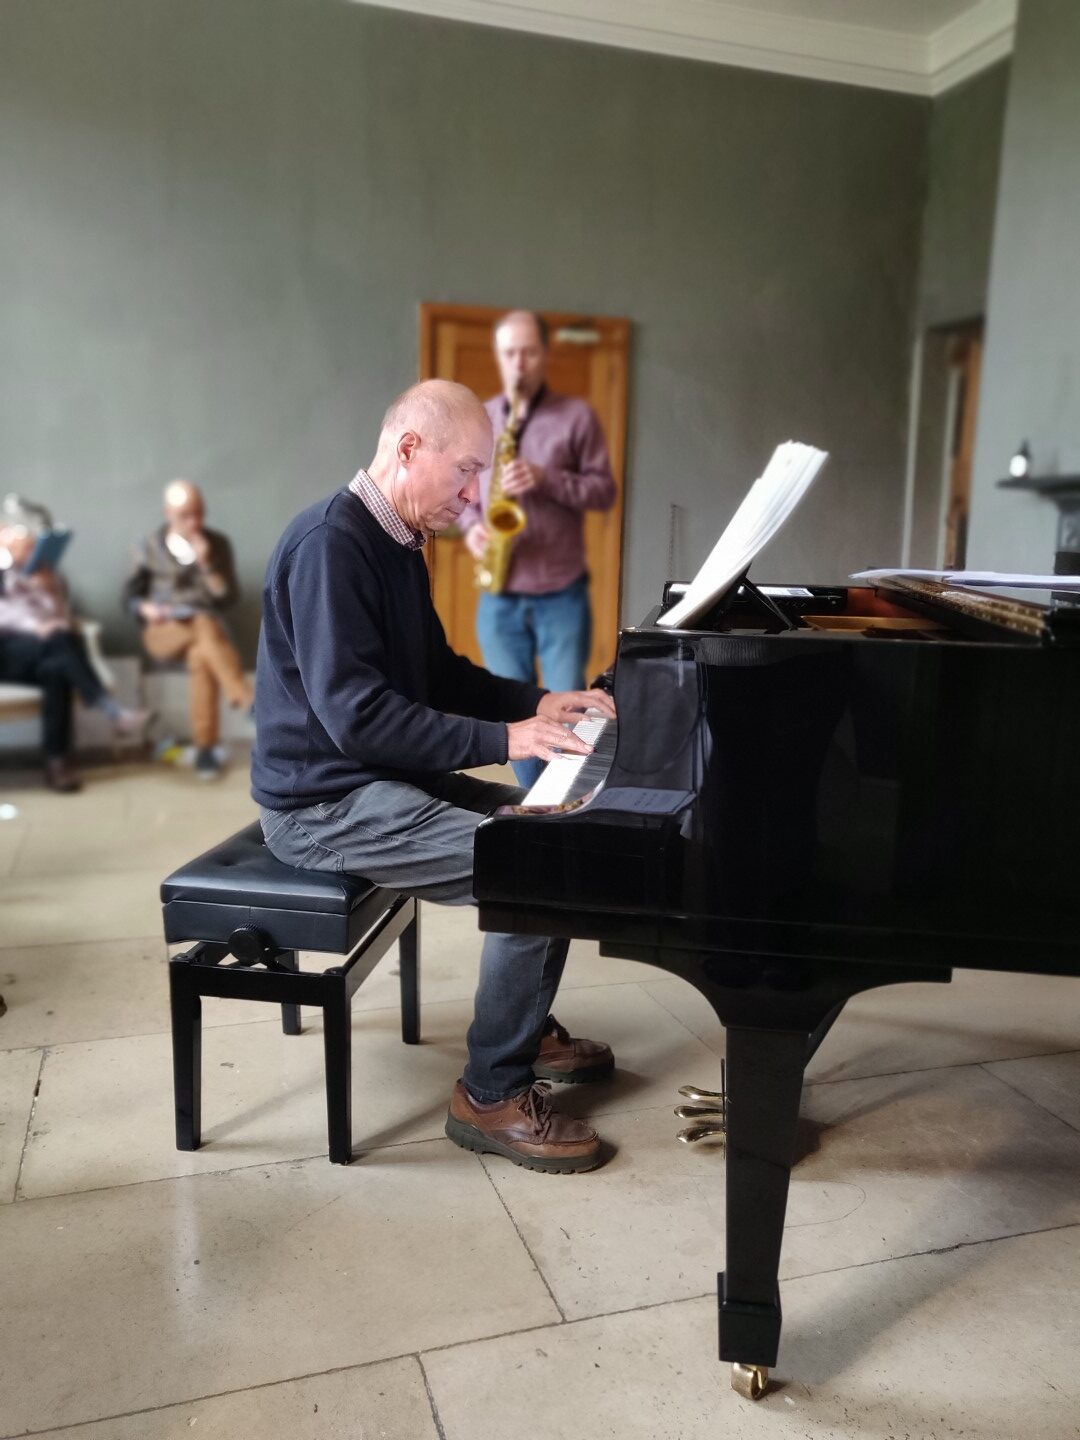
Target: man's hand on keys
[(569, 706), (550, 731)]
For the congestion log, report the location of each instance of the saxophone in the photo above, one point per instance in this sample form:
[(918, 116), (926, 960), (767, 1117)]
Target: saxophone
[(504, 519)]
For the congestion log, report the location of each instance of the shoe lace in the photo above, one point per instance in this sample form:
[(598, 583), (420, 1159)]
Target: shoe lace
[(536, 1107)]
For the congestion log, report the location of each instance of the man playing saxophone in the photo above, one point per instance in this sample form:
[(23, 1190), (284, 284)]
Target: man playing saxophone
[(554, 465)]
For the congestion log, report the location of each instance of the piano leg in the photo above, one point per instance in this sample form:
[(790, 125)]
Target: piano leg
[(776, 1016), (764, 1079)]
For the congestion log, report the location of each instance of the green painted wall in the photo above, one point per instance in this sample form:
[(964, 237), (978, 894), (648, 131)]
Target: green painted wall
[(219, 217), (964, 163), (1031, 380)]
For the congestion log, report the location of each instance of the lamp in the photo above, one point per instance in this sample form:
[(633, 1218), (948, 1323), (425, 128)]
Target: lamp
[(1020, 463)]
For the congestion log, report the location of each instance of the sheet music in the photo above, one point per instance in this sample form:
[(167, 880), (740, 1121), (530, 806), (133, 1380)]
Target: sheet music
[(976, 579), (767, 504)]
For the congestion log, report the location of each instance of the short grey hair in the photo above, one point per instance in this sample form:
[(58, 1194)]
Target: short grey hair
[(17, 510)]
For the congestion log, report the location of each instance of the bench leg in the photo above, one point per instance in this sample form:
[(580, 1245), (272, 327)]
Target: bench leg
[(290, 1014), (409, 966), (337, 1040), (185, 1006)]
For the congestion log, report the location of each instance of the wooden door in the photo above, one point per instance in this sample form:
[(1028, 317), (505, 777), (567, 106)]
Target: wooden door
[(965, 359), (589, 357)]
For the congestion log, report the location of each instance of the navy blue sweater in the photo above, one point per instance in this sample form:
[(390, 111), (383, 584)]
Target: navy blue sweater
[(355, 681)]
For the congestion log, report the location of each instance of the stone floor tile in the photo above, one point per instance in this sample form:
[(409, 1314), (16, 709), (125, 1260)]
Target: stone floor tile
[(387, 1400), (1052, 1081), (100, 796), (149, 840), (18, 1079), (12, 835), (214, 1283), (912, 1348), (58, 909), (982, 1015), (890, 1167), (93, 990), (105, 1112)]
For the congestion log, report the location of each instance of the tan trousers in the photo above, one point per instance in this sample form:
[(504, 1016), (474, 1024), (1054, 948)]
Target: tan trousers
[(213, 665)]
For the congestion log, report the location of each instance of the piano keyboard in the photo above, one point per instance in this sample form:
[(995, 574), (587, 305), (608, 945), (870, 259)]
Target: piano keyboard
[(568, 778)]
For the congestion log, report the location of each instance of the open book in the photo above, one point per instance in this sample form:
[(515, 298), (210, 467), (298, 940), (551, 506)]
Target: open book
[(768, 503)]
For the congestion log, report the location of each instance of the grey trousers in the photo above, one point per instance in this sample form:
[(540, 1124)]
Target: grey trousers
[(418, 839)]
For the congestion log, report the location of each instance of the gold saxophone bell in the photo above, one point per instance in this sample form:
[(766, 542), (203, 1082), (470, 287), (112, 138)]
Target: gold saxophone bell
[(504, 519)]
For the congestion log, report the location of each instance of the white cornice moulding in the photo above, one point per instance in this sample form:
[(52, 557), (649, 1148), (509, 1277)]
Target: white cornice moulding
[(737, 34), (971, 42)]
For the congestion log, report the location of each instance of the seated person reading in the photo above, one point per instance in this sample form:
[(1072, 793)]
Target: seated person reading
[(40, 643)]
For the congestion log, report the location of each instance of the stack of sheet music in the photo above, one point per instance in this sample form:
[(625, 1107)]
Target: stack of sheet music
[(976, 579), (769, 502)]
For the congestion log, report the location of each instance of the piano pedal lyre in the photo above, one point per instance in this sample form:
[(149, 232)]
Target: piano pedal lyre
[(709, 1115)]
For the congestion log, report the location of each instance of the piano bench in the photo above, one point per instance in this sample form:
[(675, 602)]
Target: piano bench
[(249, 915)]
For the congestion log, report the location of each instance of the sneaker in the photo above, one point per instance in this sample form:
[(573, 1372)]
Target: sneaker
[(59, 776), (570, 1061), (133, 723), (524, 1129), (207, 764)]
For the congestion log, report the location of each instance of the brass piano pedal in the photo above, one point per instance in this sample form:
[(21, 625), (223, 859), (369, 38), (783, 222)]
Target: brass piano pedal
[(750, 1381), (711, 1097), (700, 1131), (696, 1112), (710, 1115)]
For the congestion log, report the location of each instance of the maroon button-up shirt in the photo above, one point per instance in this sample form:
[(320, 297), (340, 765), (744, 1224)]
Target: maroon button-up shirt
[(563, 436)]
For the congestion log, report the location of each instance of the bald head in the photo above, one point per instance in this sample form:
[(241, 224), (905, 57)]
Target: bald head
[(435, 439), (180, 493), (184, 508), (435, 410)]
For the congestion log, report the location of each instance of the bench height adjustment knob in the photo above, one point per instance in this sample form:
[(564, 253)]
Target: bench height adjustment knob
[(249, 944)]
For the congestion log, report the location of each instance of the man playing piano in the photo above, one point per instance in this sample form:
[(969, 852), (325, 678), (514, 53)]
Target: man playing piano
[(363, 717)]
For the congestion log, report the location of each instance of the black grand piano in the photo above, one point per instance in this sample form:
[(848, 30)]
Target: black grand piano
[(815, 791)]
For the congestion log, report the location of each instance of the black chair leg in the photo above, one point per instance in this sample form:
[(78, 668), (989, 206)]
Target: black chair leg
[(290, 1014), (337, 1041), (409, 966), (185, 1006)]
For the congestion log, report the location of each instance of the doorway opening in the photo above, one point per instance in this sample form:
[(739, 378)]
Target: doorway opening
[(947, 372)]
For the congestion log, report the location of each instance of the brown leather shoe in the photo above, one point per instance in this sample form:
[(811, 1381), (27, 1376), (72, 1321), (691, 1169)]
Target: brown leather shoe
[(573, 1062), (525, 1129), (59, 776)]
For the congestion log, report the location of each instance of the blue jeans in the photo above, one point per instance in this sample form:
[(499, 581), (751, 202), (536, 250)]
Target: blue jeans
[(515, 631), (418, 839)]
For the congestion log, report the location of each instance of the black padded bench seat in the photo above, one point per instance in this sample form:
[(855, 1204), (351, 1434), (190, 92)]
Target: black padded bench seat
[(250, 914)]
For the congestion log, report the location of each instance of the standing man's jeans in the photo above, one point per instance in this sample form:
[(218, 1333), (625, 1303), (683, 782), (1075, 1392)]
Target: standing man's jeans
[(515, 631), (419, 840)]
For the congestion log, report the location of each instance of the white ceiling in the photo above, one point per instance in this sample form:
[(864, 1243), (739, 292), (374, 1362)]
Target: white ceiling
[(921, 47)]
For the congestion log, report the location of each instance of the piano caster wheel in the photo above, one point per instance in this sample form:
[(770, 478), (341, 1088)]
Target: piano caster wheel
[(750, 1381)]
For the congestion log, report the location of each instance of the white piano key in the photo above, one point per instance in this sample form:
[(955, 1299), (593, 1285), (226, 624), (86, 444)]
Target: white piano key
[(558, 775)]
